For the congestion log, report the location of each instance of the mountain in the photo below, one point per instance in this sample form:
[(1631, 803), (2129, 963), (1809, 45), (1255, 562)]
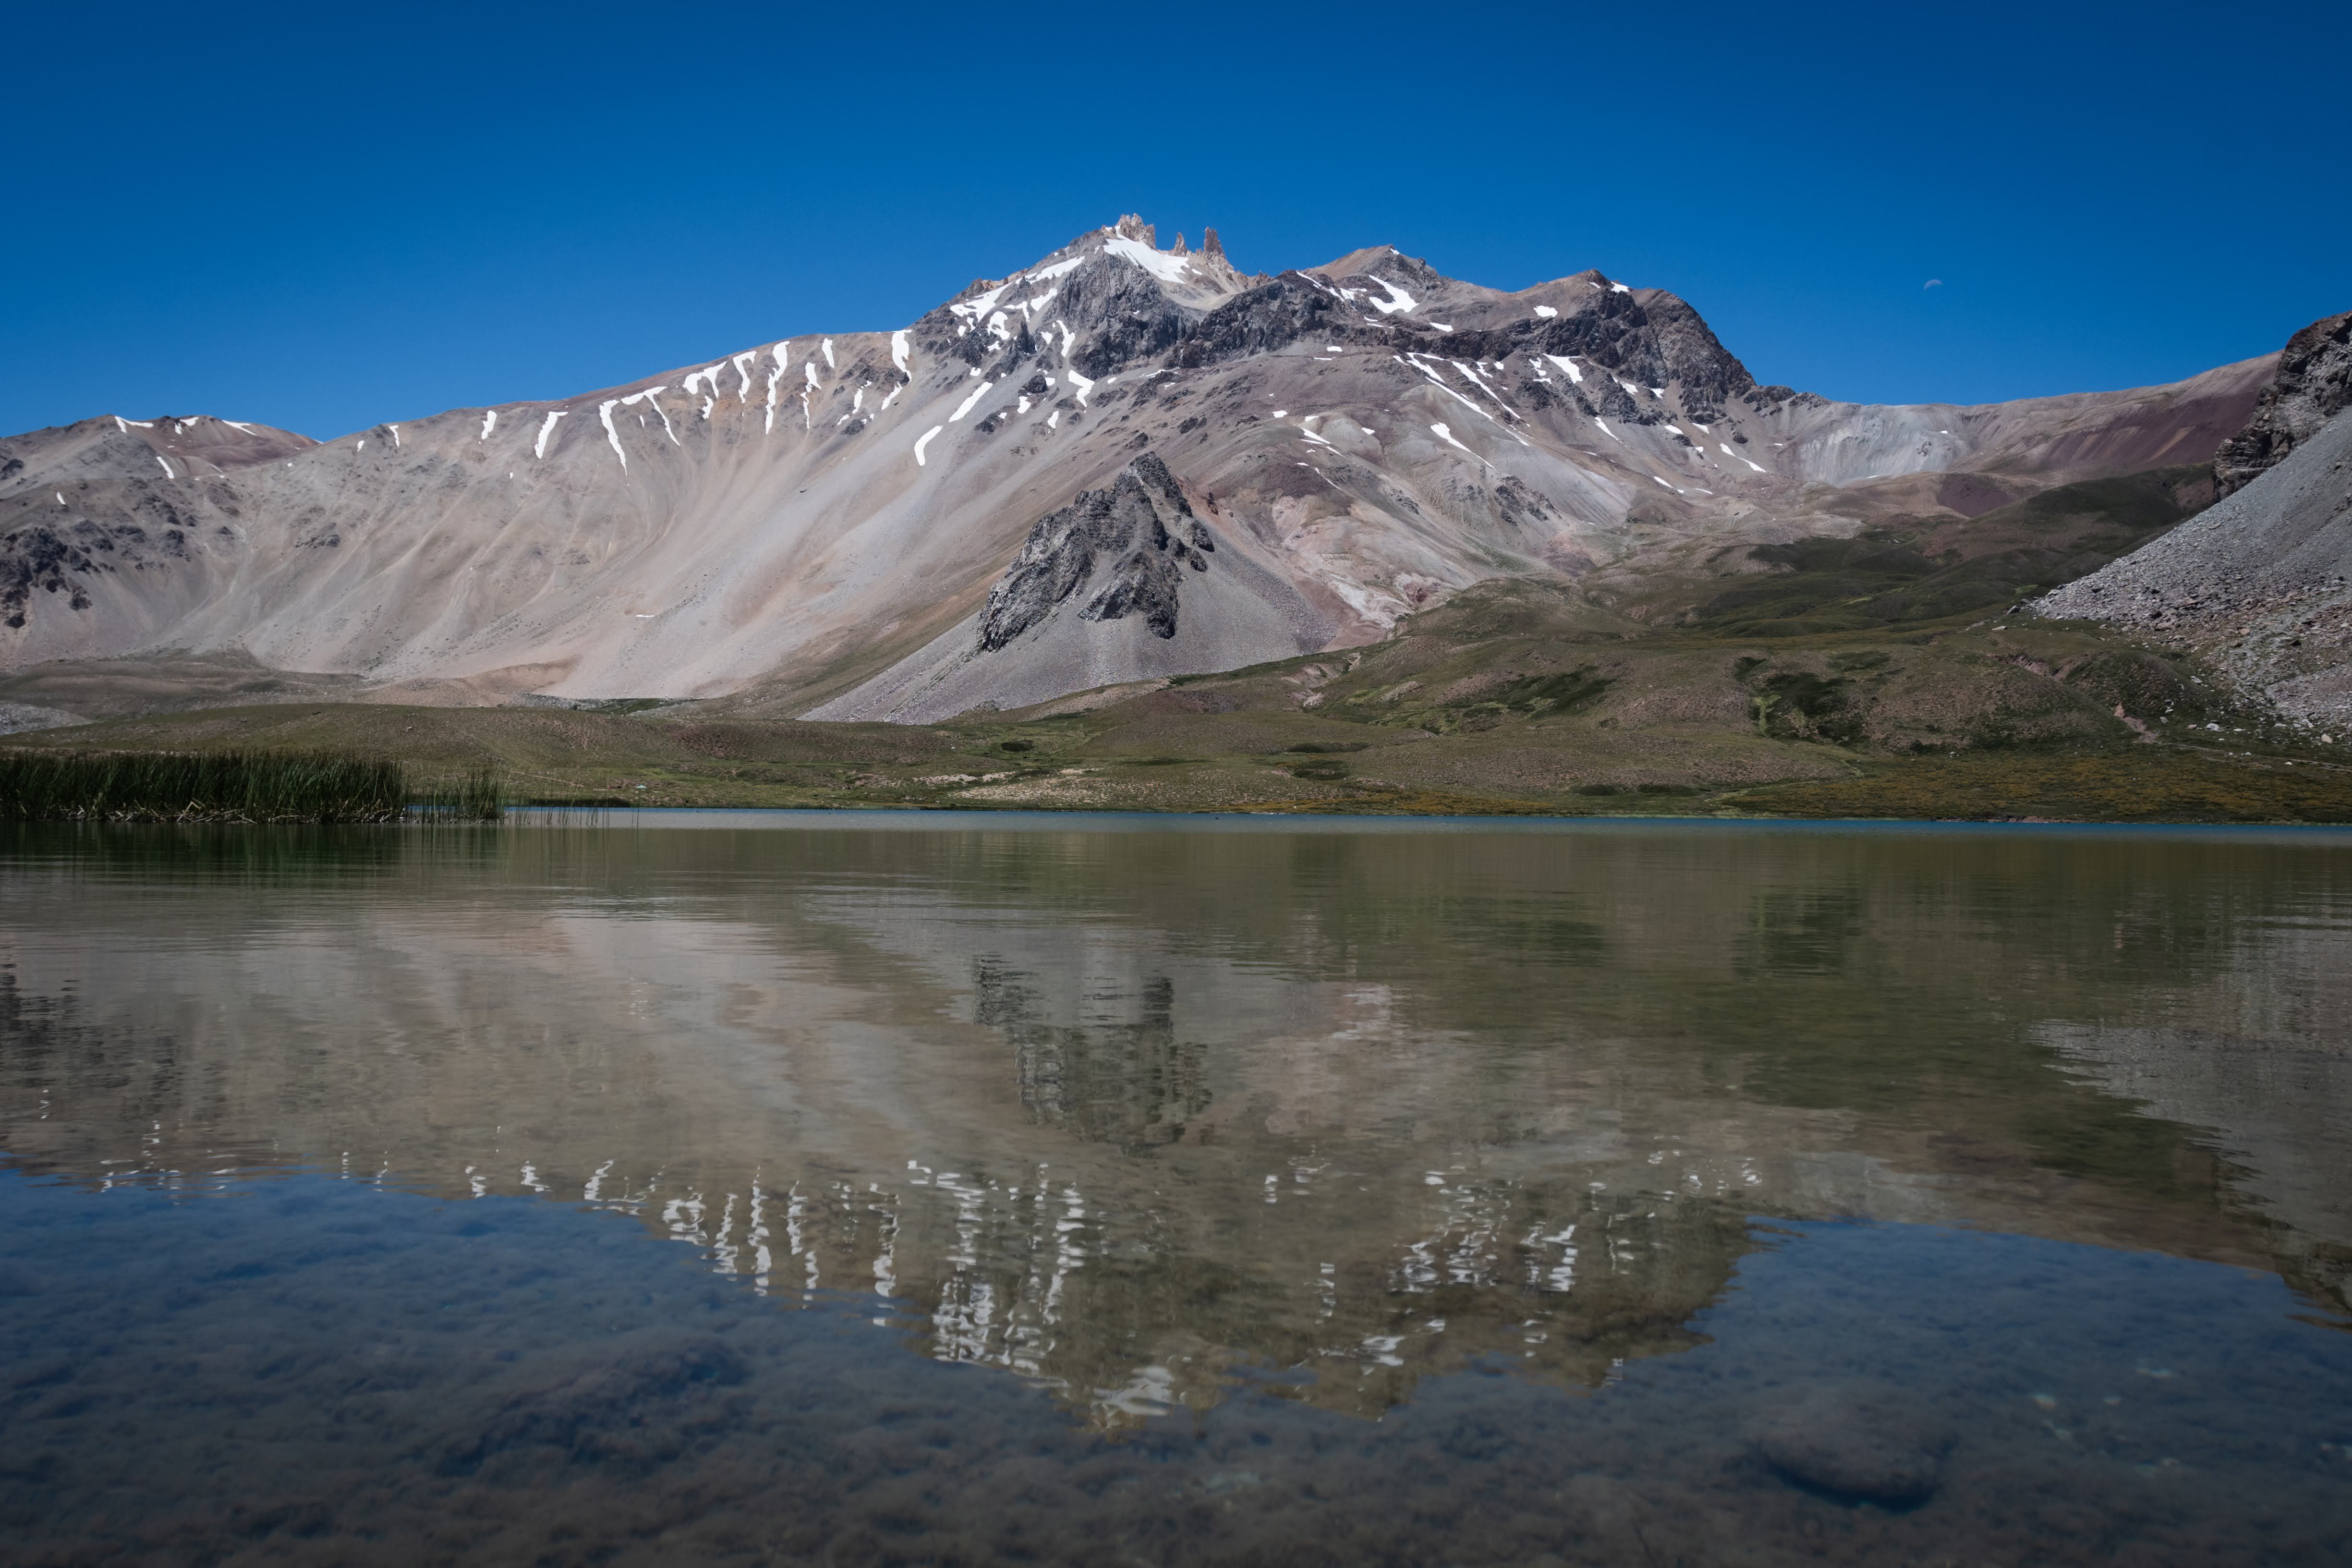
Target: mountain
[(139, 525), (1122, 462)]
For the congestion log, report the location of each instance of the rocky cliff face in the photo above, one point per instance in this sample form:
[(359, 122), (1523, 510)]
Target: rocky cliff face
[(1126, 582), (1127, 528), (2313, 385), (1117, 463)]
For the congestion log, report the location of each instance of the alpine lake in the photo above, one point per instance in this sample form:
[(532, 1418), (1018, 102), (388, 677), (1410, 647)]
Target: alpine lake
[(848, 1188)]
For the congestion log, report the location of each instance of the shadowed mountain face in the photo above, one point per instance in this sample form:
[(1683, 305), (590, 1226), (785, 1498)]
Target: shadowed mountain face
[(862, 525)]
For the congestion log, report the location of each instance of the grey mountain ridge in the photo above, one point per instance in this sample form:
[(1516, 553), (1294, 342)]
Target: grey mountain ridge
[(901, 525)]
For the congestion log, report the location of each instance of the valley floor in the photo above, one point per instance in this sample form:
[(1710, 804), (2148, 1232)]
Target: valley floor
[(1507, 700)]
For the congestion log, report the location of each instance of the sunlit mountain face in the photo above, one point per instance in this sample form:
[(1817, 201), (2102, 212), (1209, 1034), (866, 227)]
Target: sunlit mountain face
[(914, 520)]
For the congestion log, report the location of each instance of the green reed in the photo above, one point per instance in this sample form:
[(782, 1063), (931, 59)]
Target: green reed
[(477, 795), (235, 786)]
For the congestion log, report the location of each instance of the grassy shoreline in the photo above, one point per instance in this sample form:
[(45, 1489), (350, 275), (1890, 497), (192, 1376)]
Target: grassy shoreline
[(1229, 763), (238, 785)]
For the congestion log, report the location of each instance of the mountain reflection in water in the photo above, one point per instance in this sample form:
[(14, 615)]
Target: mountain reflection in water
[(1247, 1192), (1125, 1112)]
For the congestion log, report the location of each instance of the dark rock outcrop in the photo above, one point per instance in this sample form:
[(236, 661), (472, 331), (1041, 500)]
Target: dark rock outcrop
[(1272, 316), (1662, 342), (60, 558), (1653, 340), (2314, 385), (39, 557), (1694, 357), (1121, 316), (1130, 542)]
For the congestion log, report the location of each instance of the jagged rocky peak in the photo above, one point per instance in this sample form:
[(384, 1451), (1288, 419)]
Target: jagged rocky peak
[(1106, 299), (2312, 387), (1646, 342), (1196, 281), (1645, 336), (1126, 546), (1691, 357)]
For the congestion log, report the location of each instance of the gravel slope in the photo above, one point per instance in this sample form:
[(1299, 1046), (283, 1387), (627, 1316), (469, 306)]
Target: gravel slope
[(2260, 583)]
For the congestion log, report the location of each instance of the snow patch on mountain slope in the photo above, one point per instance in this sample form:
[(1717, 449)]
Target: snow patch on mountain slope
[(604, 413), (965, 406), (1160, 265)]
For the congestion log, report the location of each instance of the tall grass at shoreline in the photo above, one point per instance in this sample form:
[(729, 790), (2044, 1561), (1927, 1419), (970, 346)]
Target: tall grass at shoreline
[(236, 786), (477, 795)]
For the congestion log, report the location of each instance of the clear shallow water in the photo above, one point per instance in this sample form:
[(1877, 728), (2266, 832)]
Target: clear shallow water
[(1051, 1189)]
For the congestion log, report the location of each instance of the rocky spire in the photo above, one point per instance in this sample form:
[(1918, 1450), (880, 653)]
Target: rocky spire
[(1132, 225), (1209, 245), (1180, 247)]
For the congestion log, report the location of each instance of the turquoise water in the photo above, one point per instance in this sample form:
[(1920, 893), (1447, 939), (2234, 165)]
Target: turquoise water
[(816, 1187)]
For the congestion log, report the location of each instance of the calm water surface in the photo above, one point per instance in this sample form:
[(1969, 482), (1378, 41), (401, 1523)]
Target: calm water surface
[(744, 1187)]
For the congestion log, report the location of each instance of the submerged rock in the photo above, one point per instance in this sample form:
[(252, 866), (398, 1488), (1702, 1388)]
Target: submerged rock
[(1857, 1441)]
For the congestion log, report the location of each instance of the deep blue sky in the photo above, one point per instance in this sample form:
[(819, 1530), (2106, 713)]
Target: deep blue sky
[(325, 216)]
